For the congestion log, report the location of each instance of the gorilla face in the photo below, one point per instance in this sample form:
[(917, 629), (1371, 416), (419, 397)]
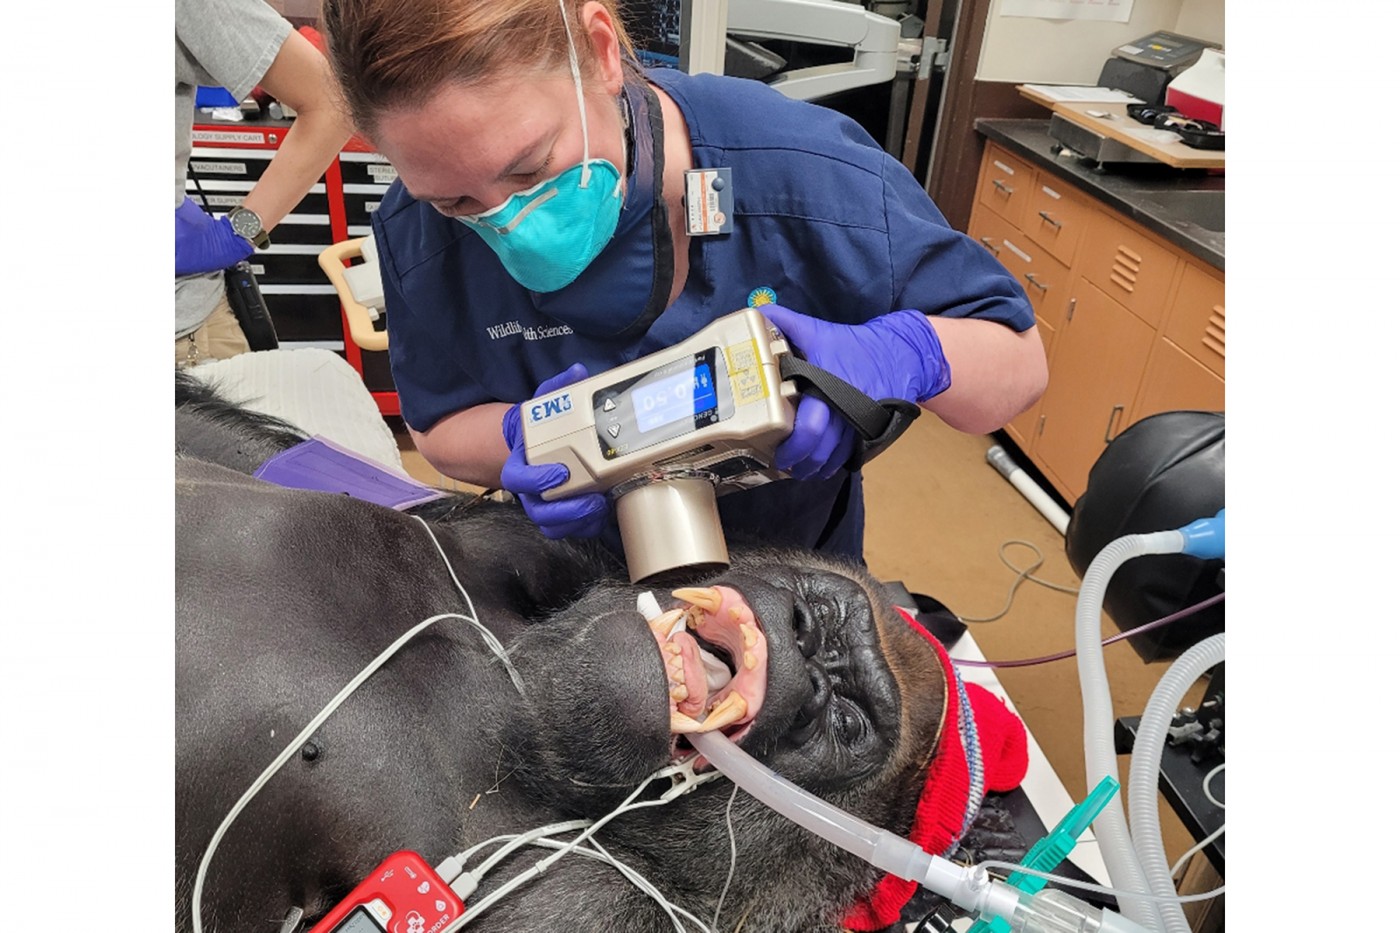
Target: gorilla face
[(797, 659)]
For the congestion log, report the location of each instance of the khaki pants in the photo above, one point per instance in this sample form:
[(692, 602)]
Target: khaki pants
[(218, 338)]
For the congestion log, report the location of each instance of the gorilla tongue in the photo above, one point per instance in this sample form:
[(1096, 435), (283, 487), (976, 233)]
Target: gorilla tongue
[(704, 695)]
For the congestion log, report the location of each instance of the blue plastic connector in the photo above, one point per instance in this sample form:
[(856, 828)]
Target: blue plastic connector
[(1205, 538), (1047, 854)]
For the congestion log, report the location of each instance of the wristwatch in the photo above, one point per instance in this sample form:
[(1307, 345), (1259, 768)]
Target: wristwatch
[(249, 226)]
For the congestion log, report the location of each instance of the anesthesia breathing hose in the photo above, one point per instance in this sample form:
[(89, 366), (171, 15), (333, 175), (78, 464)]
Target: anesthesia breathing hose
[(1203, 539), (970, 888)]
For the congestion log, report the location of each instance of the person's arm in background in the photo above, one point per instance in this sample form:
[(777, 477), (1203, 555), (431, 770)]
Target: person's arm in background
[(997, 373), (301, 77), (467, 445)]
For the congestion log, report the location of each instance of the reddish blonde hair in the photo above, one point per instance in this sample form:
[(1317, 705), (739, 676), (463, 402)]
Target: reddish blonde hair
[(391, 53)]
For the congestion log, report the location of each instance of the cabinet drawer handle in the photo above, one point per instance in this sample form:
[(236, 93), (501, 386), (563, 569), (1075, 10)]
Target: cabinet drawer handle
[(1112, 417), (987, 242), (1045, 216), (1002, 186), (1030, 277)]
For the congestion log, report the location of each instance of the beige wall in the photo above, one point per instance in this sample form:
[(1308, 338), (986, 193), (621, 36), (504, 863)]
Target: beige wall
[(1073, 51)]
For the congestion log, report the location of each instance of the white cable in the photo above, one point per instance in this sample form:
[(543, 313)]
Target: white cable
[(523, 839), (549, 830), (733, 855), (491, 640), (1102, 889), (1196, 848), (331, 707), (292, 748), (540, 867), (1205, 784), (642, 884), (1205, 789)]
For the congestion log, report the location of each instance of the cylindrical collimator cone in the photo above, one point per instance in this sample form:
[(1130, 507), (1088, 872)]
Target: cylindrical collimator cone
[(670, 523)]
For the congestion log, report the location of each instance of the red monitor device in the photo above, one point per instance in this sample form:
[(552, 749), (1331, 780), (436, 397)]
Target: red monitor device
[(402, 895)]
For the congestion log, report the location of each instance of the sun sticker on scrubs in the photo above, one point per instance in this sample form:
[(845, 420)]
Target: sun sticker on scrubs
[(763, 295)]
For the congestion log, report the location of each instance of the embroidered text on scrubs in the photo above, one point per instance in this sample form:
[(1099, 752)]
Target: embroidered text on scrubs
[(497, 331), (544, 333)]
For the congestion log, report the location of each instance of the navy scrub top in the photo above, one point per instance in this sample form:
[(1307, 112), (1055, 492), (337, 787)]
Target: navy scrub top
[(824, 217)]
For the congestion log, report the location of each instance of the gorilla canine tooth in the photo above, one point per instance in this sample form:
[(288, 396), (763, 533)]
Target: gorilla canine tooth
[(750, 633), (706, 597), (682, 723), (733, 709), (664, 624)]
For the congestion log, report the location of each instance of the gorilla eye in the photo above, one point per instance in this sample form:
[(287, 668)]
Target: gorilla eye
[(847, 720)]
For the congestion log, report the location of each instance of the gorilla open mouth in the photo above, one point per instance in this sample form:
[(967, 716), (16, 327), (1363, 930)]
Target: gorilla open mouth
[(716, 659)]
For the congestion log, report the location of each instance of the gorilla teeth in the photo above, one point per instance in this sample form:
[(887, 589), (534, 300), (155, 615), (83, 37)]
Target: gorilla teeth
[(716, 672), (706, 597), (667, 623), (725, 713)]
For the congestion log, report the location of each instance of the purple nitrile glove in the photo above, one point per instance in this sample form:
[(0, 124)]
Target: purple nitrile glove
[(896, 355), (205, 244), (581, 516)]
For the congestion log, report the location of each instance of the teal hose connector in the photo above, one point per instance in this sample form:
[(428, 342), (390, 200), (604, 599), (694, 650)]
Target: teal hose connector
[(1048, 853)]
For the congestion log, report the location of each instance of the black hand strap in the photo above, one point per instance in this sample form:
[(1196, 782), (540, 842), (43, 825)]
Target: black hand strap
[(877, 424)]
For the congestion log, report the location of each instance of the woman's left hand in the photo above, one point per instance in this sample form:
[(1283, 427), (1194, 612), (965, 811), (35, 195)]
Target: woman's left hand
[(895, 356)]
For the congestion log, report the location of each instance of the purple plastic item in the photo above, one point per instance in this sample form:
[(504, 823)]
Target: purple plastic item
[(320, 465)]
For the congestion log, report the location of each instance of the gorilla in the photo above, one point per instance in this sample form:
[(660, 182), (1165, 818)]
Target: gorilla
[(284, 596)]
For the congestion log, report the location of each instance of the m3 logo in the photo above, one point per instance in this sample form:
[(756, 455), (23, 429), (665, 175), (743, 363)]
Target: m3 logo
[(551, 407)]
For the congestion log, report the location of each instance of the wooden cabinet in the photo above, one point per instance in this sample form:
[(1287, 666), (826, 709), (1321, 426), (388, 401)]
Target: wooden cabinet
[(1099, 360), (1128, 266), (1187, 369), (1006, 184), (1132, 325), (1056, 216)]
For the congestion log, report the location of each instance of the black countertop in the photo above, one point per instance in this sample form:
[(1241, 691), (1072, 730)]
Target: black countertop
[(1127, 188)]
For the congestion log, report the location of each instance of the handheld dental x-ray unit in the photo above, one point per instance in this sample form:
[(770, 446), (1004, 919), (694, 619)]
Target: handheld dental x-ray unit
[(666, 434), (669, 432)]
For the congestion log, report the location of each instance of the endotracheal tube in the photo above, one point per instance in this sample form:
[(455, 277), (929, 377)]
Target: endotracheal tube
[(970, 888)]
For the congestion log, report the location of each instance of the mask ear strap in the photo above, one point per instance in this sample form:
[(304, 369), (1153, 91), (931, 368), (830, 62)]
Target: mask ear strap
[(578, 89)]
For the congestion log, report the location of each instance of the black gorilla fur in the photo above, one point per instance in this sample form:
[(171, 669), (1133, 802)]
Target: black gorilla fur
[(283, 596)]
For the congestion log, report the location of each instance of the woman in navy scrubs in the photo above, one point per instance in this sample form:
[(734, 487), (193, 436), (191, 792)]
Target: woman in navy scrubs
[(538, 232)]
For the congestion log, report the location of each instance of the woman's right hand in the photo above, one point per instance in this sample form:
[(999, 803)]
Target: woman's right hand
[(581, 516)]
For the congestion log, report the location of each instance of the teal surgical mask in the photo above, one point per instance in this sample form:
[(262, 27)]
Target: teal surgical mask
[(546, 235)]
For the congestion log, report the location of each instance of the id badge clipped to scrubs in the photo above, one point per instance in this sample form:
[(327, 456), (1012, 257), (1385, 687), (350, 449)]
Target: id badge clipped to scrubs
[(709, 201)]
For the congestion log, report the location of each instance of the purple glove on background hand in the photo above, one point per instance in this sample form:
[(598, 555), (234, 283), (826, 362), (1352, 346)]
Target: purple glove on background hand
[(204, 244), (895, 356), (581, 516)]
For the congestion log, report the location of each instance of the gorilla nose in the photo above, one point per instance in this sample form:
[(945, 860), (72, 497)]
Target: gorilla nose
[(805, 628)]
